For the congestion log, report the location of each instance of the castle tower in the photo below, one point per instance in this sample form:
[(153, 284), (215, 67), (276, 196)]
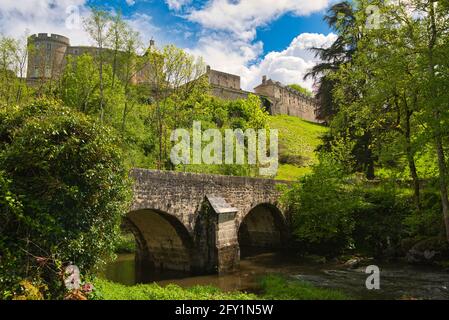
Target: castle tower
[(46, 56)]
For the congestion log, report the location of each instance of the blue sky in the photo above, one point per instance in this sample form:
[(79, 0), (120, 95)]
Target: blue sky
[(250, 38), (276, 35)]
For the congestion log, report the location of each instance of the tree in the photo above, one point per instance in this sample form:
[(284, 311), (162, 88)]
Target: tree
[(13, 58), (132, 66), (97, 25), (116, 40), (68, 174), (341, 18), (172, 76), (79, 86)]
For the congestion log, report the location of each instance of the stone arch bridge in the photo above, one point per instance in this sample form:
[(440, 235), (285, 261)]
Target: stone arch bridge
[(203, 223)]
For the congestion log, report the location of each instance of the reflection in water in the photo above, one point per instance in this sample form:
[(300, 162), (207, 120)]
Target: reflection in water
[(397, 281)]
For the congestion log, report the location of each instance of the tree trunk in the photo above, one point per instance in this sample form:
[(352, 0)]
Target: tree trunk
[(443, 186), (437, 117), (411, 159)]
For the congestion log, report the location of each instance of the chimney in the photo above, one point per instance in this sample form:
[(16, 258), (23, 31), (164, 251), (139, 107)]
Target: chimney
[(152, 43), (264, 79)]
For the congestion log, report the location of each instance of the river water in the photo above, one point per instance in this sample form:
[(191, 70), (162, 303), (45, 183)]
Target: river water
[(397, 281)]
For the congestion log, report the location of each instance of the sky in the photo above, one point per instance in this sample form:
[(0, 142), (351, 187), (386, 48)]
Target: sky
[(250, 38)]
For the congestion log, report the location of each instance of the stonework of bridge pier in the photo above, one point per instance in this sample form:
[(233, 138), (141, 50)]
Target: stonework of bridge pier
[(202, 223)]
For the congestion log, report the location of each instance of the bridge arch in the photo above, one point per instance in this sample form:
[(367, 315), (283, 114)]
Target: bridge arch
[(262, 229), (163, 242)]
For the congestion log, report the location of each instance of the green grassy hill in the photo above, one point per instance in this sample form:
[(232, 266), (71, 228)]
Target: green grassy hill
[(298, 140)]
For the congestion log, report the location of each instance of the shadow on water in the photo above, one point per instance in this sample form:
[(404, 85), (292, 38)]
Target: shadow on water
[(397, 280)]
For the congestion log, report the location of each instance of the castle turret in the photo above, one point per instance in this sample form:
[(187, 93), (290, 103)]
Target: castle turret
[(46, 57)]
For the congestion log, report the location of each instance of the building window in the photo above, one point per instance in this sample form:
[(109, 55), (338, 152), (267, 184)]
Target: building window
[(36, 72), (48, 46)]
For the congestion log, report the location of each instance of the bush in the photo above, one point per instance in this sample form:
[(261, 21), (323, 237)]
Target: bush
[(379, 224), (333, 212), (428, 221), (68, 175), (322, 205)]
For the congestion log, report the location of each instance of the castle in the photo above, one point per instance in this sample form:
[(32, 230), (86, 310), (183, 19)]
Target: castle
[(48, 59)]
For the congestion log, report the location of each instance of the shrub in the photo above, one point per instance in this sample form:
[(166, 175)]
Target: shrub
[(322, 205), (379, 224), (73, 189), (427, 222)]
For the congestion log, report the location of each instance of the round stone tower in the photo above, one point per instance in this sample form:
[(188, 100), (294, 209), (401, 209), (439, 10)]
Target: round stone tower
[(46, 55)]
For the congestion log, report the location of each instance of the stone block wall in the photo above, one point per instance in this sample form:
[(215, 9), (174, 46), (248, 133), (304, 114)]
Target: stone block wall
[(183, 197)]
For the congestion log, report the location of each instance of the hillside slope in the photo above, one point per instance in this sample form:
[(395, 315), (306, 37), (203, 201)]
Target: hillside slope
[(298, 140)]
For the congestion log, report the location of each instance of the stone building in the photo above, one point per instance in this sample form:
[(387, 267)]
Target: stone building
[(225, 85), (285, 100), (48, 57), (276, 98)]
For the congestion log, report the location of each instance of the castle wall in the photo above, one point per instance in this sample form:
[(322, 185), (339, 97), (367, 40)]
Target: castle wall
[(285, 100), (46, 60), (222, 79)]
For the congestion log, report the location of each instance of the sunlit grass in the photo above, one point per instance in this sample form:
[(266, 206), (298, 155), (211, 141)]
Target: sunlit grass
[(297, 138)]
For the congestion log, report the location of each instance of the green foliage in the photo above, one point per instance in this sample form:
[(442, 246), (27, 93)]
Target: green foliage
[(334, 211), (113, 291), (219, 114), (302, 90), (380, 221), (322, 204), (273, 287), (68, 175), (298, 139), (126, 243), (280, 288), (426, 222)]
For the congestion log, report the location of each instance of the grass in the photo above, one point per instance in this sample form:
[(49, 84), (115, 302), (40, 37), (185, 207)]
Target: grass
[(277, 287), (298, 140), (273, 287), (112, 291)]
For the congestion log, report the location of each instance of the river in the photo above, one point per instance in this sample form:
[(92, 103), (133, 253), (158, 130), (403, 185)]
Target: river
[(397, 280)]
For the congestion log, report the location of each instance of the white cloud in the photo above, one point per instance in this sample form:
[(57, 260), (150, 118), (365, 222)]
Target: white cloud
[(238, 57), (143, 23), (290, 65), (243, 17), (40, 16), (64, 17), (177, 4), (131, 2)]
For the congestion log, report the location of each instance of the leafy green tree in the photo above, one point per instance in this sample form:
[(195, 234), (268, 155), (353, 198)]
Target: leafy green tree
[(322, 205), (173, 77), (13, 58), (342, 19), (67, 190), (97, 25), (302, 90)]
